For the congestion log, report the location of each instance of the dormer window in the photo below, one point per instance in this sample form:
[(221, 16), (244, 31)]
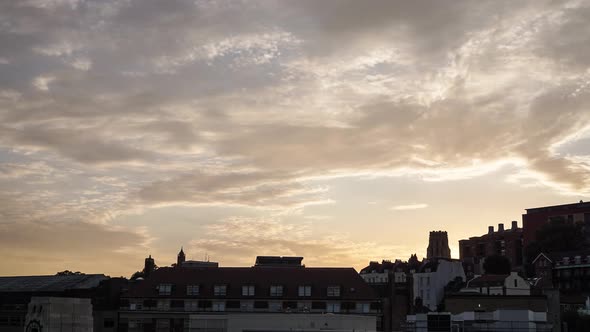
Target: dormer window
[(164, 289), (333, 291), (248, 290), (276, 290), (304, 291), (192, 290), (219, 290)]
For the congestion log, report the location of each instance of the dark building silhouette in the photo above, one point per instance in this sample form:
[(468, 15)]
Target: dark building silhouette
[(181, 258), (438, 245), (172, 295), (535, 218), (17, 292), (504, 242), (149, 266), (392, 281)]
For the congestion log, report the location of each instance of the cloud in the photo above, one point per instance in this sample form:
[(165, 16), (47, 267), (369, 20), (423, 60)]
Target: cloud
[(246, 104), (239, 240), (42, 82), (410, 207)]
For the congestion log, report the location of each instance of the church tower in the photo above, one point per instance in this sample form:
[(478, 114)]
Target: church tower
[(438, 245), (149, 266), (181, 258)]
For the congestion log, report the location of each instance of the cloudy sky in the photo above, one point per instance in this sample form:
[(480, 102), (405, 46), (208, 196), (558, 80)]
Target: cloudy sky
[(342, 131)]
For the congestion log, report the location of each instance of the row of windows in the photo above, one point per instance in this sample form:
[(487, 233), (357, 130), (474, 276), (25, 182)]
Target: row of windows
[(247, 290), (273, 306)]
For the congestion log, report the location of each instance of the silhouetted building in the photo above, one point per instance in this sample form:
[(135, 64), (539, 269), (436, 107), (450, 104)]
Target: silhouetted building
[(149, 266), (57, 314), (180, 258), (535, 218), (171, 297), (279, 261), (16, 294), (504, 242), (392, 282), (438, 245)]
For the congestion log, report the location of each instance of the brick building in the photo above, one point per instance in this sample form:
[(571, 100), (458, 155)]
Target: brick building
[(171, 296), (535, 218), (438, 245), (503, 242), (392, 281)]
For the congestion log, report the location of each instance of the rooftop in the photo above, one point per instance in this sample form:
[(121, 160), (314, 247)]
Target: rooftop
[(562, 207), (50, 283), (352, 286)]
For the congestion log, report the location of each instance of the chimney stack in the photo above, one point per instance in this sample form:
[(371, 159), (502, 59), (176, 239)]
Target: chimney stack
[(500, 227), (490, 229), (514, 225)]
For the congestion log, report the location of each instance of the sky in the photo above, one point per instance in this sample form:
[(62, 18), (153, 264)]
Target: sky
[(342, 131)]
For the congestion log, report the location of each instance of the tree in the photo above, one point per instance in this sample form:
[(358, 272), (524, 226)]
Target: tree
[(496, 264), (556, 235), (69, 273)]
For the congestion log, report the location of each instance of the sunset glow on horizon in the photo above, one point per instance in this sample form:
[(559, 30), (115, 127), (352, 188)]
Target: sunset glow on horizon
[(340, 131)]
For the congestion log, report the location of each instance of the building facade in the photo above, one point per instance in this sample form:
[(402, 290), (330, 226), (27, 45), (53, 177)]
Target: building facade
[(430, 281), (535, 218), (392, 281), (17, 292), (172, 295), (57, 314), (438, 245), (494, 284), (503, 242)]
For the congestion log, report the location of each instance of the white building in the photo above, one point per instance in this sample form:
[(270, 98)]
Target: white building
[(430, 282), (237, 322), (494, 284), (499, 320), (55, 314)]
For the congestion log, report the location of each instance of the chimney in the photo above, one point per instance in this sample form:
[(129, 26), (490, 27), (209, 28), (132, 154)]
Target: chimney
[(490, 229), (500, 227), (514, 225)]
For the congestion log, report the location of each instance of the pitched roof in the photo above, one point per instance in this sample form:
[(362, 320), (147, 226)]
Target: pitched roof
[(352, 286), (50, 283), (542, 255), (488, 280)]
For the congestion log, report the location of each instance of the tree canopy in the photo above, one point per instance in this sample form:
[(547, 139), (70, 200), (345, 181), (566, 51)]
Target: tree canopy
[(496, 264), (556, 235)]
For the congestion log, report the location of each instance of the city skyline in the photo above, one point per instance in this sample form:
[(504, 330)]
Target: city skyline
[(336, 130)]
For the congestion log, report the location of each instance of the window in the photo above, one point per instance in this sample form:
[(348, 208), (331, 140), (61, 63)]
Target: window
[(219, 290), (333, 307), (261, 305), (515, 282), (428, 281), (363, 307), (333, 291), (218, 306), (318, 305), (248, 290), (191, 305), (108, 322), (304, 290), (275, 306), (192, 290), (232, 305), (165, 289), (276, 290), (177, 304), (247, 306), (163, 305)]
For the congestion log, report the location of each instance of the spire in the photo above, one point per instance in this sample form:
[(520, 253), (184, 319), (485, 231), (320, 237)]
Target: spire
[(181, 257)]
